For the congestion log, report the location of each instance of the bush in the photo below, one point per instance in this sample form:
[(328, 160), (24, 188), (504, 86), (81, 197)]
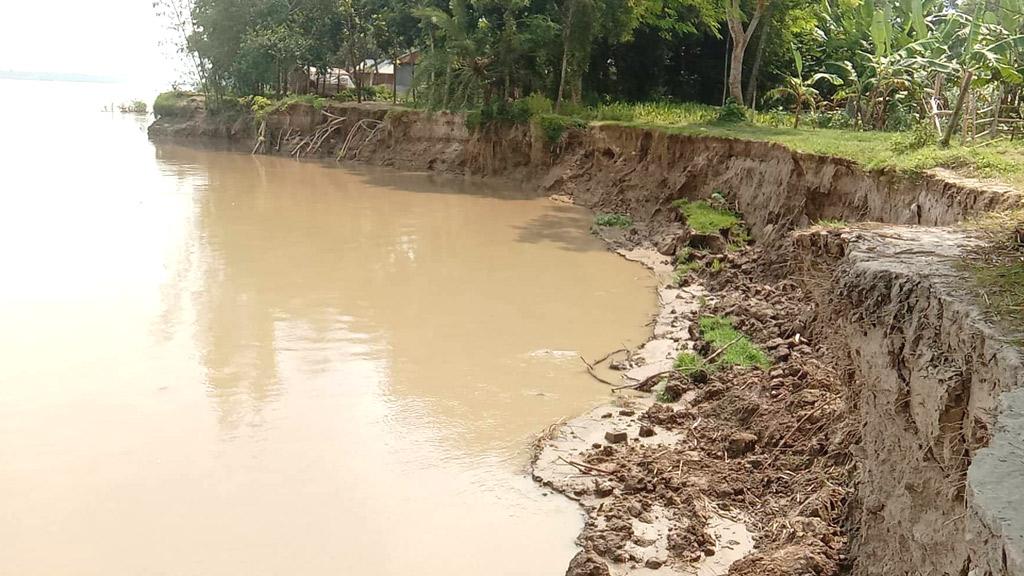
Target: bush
[(258, 104), (613, 220), (508, 112), (834, 119), (616, 112), (135, 107), (172, 104), (538, 104), (919, 137), (732, 112), (376, 93), (553, 126)]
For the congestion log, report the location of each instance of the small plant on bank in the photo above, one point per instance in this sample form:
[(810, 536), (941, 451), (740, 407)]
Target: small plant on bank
[(662, 395), (997, 264), (172, 104), (920, 136), (554, 126), (613, 220), (135, 107), (732, 112), (689, 362), (705, 218), (720, 333)]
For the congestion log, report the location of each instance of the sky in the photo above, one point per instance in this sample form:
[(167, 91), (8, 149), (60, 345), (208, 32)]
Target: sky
[(118, 38)]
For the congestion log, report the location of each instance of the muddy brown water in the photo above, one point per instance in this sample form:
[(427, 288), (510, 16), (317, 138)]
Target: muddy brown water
[(216, 364)]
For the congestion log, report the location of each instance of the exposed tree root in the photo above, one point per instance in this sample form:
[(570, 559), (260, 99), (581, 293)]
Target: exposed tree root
[(359, 128)]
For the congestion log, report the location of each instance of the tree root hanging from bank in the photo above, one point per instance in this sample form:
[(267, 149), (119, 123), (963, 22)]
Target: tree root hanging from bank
[(311, 144), (363, 126)]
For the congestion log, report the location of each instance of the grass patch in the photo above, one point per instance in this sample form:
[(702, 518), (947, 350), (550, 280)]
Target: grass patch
[(705, 218), (873, 150), (997, 267), (719, 332), (172, 104), (688, 362), (613, 220)]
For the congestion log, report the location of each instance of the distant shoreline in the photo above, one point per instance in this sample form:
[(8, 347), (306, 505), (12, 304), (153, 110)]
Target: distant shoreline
[(56, 77)]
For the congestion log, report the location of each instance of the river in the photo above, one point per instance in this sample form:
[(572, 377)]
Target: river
[(216, 364)]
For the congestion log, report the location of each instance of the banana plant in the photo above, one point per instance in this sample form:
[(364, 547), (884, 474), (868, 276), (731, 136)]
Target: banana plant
[(800, 90)]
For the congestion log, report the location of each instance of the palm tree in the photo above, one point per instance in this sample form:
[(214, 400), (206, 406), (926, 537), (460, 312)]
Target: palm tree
[(801, 90)]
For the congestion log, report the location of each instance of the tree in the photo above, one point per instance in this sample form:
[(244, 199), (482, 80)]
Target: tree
[(740, 36), (178, 14), (800, 90)]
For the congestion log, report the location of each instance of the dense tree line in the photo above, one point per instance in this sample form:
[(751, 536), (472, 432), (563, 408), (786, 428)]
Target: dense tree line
[(880, 61)]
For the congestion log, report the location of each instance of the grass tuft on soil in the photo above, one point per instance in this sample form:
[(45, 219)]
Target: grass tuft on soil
[(997, 267), (613, 220), (172, 104), (831, 223), (719, 332), (705, 218), (688, 362)]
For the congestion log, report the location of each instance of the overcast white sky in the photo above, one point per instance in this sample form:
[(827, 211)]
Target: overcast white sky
[(104, 37)]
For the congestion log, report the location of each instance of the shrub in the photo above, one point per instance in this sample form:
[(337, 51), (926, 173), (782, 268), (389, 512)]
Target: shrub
[(732, 112), (613, 220), (135, 107), (834, 119), (376, 93), (538, 104), (171, 104), (920, 137), (616, 112), (553, 126)]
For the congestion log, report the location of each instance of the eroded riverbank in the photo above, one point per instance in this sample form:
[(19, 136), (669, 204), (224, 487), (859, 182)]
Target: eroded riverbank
[(871, 440)]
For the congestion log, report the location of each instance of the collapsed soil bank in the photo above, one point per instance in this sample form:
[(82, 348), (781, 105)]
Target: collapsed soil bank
[(935, 386)]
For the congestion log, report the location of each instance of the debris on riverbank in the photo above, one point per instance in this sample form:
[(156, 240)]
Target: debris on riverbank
[(742, 468)]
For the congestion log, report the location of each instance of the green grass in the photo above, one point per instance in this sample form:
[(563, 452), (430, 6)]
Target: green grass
[(706, 219), (172, 104), (553, 126), (613, 220), (688, 362), (719, 332), (997, 265), (873, 150)]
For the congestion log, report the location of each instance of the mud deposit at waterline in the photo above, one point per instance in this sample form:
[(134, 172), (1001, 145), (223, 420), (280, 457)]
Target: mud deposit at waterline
[(270, 367)]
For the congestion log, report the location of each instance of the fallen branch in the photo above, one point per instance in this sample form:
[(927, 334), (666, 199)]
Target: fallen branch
[(647, 383), (590, 370), (585, 467), (608, 355), (722, 349)]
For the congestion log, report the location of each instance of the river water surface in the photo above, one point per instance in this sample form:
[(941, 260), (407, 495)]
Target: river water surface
[(215, 364)]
